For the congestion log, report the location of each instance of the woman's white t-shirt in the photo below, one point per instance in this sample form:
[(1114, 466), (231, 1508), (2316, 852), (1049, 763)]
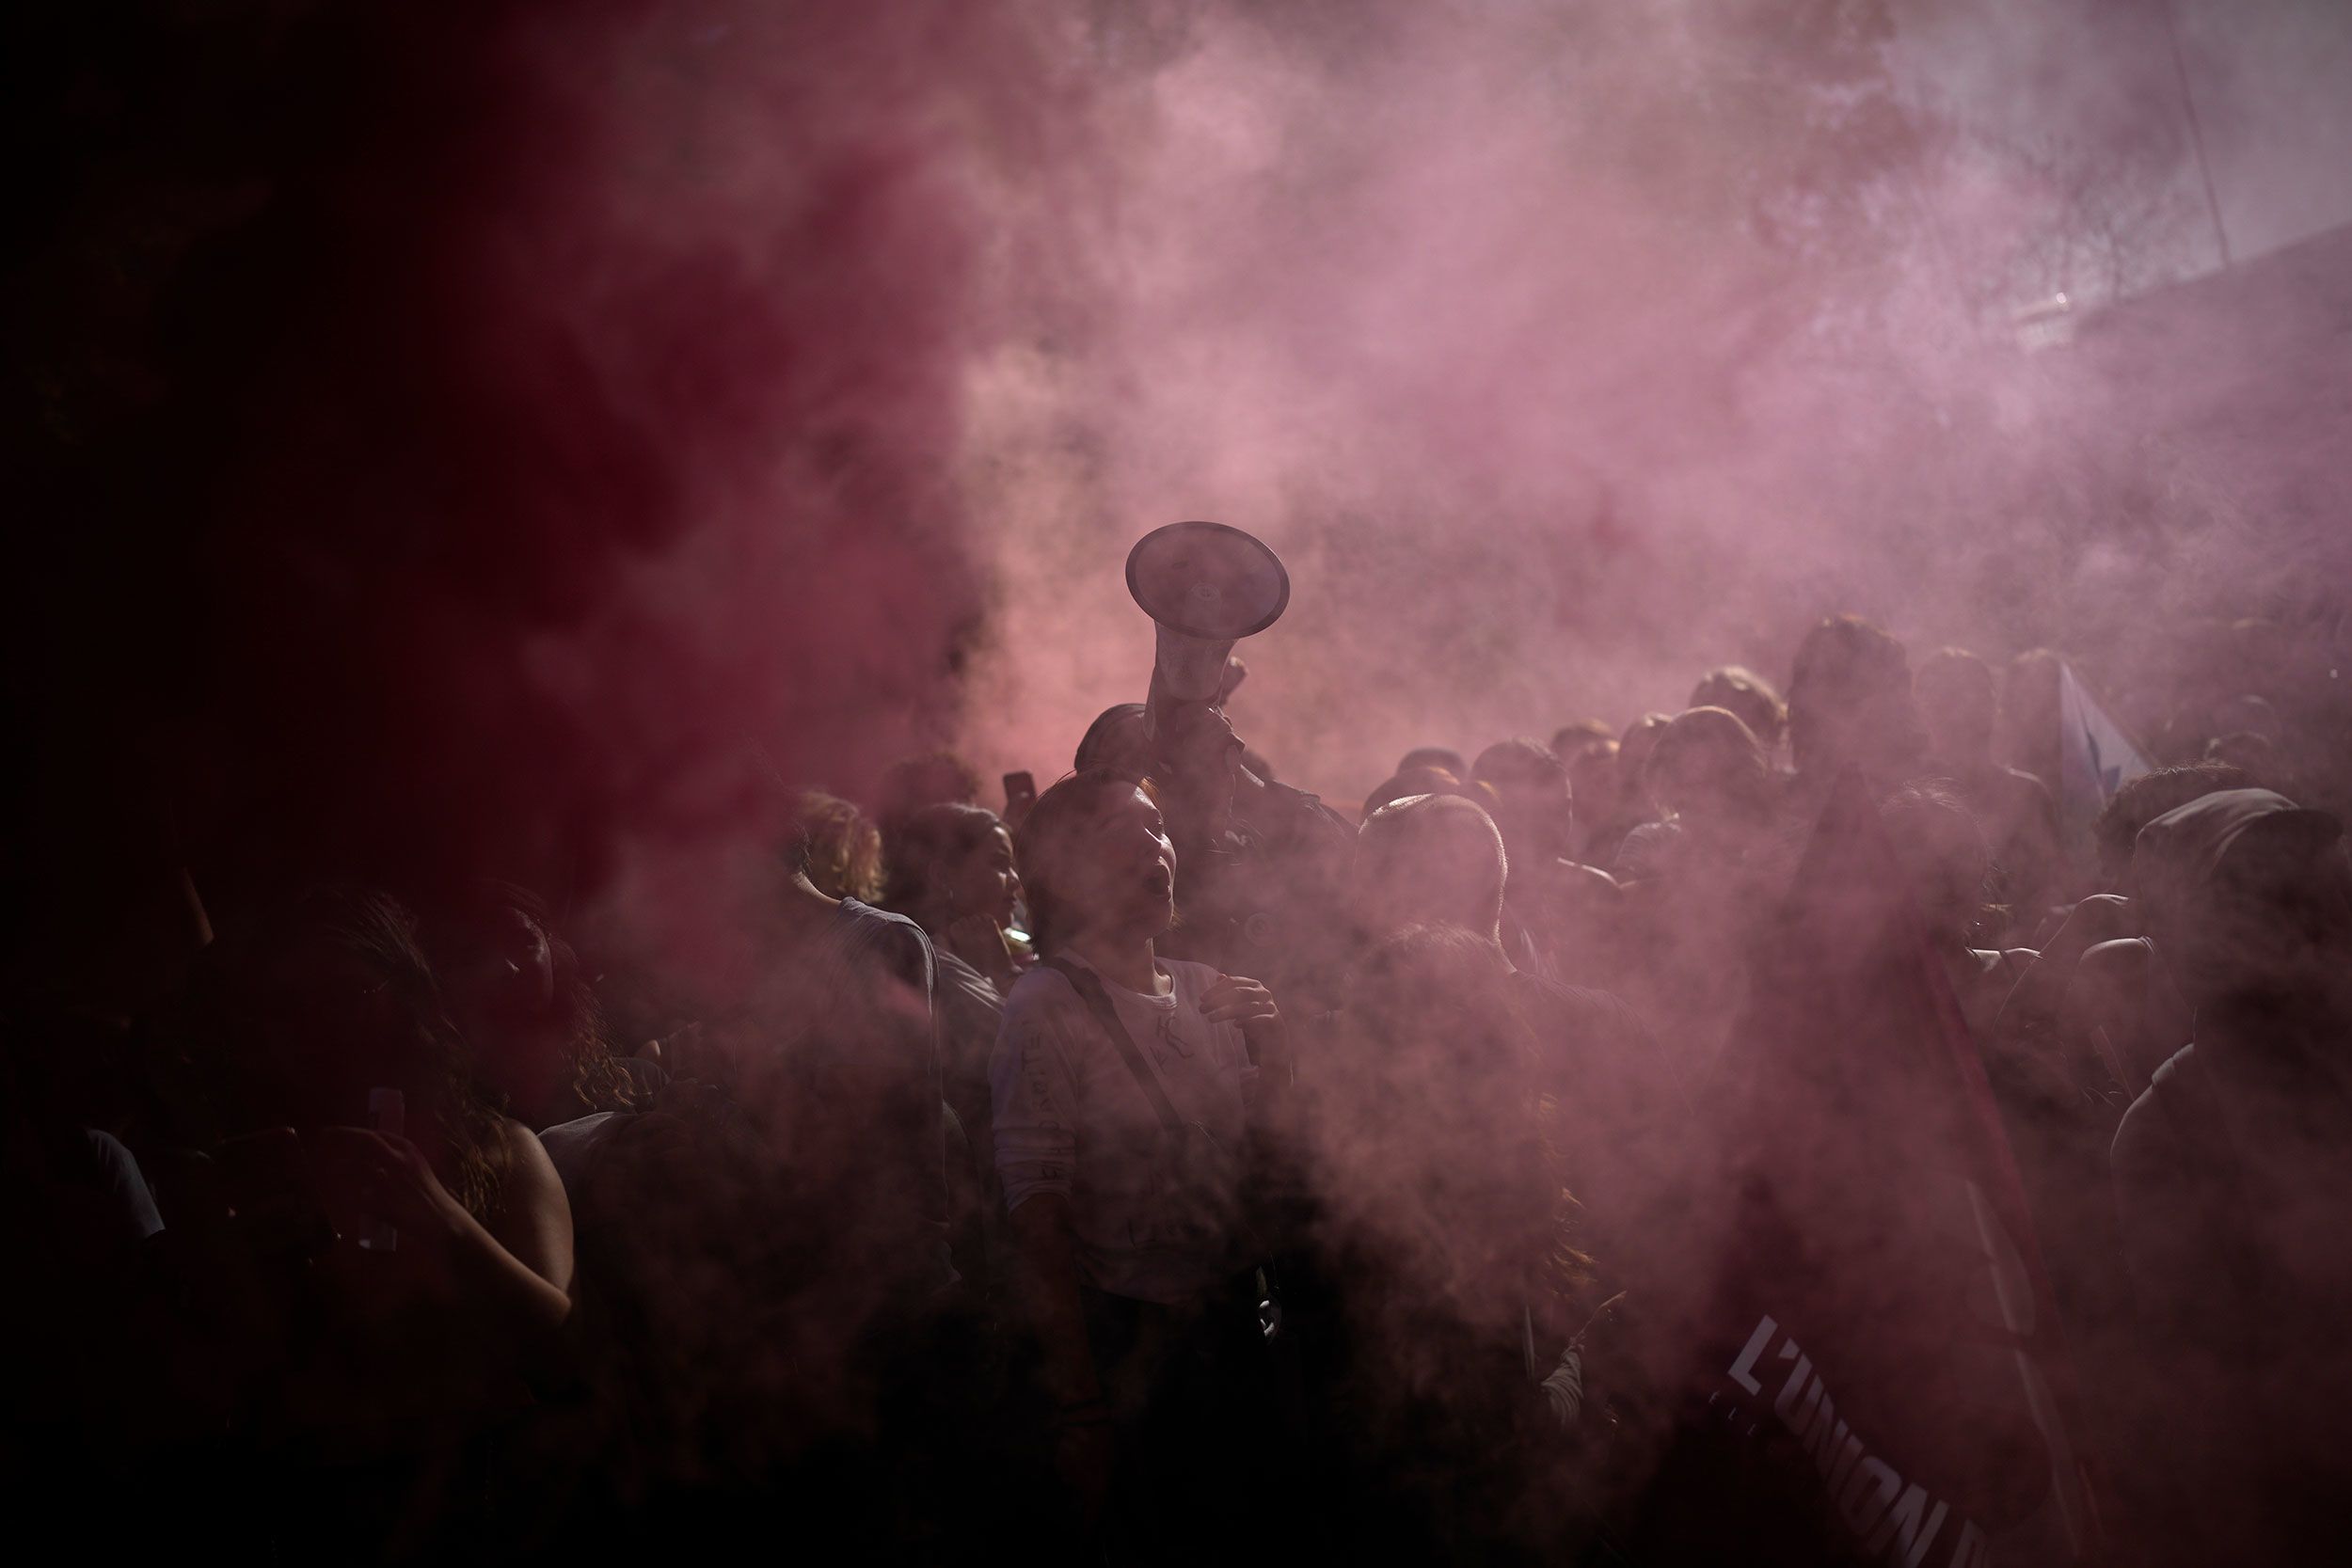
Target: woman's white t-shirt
[(1071, 1120)]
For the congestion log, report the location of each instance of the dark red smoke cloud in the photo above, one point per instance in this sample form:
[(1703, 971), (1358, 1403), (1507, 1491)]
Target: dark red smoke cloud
[(484, 438)]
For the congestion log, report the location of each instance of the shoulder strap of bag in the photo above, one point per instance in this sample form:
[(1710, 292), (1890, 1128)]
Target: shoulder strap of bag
[(1089, 989)]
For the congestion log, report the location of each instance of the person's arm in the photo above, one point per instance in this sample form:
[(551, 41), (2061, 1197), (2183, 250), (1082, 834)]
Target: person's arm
[(519, 1312), (2037, 999), (533, 1217), (2116, 991)]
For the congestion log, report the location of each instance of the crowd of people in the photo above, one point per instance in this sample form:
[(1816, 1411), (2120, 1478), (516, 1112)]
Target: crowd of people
[(1175, 1167)]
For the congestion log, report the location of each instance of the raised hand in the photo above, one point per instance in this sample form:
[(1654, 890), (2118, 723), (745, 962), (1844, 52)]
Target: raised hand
[(367, 1175), (1237, 1000)]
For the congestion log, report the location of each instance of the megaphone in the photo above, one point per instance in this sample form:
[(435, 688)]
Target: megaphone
[(1206, 586)]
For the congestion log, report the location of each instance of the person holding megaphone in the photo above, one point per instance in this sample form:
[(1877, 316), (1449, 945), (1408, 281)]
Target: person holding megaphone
[(1265, 863)]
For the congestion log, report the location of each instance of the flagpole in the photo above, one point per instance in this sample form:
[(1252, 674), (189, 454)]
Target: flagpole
[(2196, 134)]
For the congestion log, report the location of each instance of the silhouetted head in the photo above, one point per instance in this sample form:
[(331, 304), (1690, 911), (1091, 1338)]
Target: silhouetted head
[(1533, 805), (2249, 901), (1709, 769), (1411, 781), (514, 989), (1570, 741), (1095, 858), (1850, 700), (2140, 799), (1116, 739), (1429, 858), (1748, 697), (833, 844), (1434, 756), (1633, 751), (949, 862)]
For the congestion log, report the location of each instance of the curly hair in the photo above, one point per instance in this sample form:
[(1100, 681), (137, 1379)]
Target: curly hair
[(836, 845)]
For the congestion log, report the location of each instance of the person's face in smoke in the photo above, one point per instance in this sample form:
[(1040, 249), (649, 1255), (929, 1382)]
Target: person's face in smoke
[(986, 882), (1851, 701), (1120, 881)]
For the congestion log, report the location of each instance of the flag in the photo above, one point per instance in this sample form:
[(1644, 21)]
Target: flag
[(1879, 1375), (2095, 756)]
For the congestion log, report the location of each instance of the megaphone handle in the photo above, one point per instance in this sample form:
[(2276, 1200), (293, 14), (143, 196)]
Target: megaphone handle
[(1160, 706)]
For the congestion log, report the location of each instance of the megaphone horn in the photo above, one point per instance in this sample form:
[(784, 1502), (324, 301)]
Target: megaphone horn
[(1206, 586)]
